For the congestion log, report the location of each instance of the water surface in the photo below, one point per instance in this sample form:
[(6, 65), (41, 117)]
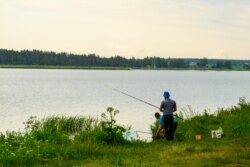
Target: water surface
[(44, 92)]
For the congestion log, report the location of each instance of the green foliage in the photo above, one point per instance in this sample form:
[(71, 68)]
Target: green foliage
[(228, 64), (177, 63), (153, 128), (202, 62), (112, 132), (246, 66), (57, 129), (43, 58), (220, 64), (48, 142), (59, 137), (234, 121), (106, 132), (53, 60)]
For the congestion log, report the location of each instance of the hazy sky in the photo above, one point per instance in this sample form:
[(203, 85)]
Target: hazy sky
[(139, 28)]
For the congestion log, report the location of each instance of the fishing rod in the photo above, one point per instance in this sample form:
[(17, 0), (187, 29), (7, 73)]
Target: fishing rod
[(136, 98), (141, 100)]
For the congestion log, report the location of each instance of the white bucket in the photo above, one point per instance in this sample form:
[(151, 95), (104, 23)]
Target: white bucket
[(216, 134)]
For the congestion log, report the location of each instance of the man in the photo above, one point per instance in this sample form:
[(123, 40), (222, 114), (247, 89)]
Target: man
[(160, 129), (168, 106)]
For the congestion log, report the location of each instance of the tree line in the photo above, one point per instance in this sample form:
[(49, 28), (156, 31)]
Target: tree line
[(223, 64), (37, 57), (45, 58)]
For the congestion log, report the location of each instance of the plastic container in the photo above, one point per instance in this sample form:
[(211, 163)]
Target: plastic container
[(197, 137), (216, 134)]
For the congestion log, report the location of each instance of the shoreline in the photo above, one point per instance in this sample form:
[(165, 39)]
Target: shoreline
[(63, 67), (114, 68)]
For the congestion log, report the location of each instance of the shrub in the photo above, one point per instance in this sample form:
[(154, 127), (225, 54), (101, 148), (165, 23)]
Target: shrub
[(112, 133)]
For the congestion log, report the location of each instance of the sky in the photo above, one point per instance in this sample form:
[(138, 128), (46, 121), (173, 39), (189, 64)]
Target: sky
[(129, 28)]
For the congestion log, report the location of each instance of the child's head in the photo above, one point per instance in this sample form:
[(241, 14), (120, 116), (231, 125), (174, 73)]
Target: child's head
[(157, 115)]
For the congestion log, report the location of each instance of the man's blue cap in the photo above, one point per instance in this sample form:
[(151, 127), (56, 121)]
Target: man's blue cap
[(166, 94)]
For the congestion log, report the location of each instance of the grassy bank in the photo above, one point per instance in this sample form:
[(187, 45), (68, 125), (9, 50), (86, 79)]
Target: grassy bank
[(208, 152), (50, 142)]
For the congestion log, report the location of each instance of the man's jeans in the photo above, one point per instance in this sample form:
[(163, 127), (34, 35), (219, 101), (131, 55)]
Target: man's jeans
[(168, 126)]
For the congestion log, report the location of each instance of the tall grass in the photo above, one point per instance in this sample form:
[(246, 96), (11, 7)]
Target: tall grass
[(60, 124), (67, 141), (59, 137)]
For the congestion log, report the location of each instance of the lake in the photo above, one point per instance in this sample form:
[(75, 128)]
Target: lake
[(44, 92)]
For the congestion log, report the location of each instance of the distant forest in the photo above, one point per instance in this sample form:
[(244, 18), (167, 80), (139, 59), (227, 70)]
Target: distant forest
[(45, 58)]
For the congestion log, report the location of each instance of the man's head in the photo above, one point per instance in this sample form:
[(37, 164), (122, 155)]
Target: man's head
[(157, 115), (166, 94)]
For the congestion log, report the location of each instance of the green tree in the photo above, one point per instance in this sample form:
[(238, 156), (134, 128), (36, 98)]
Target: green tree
[(228, 64), (219, 64), (246, 66), (202, 62)]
